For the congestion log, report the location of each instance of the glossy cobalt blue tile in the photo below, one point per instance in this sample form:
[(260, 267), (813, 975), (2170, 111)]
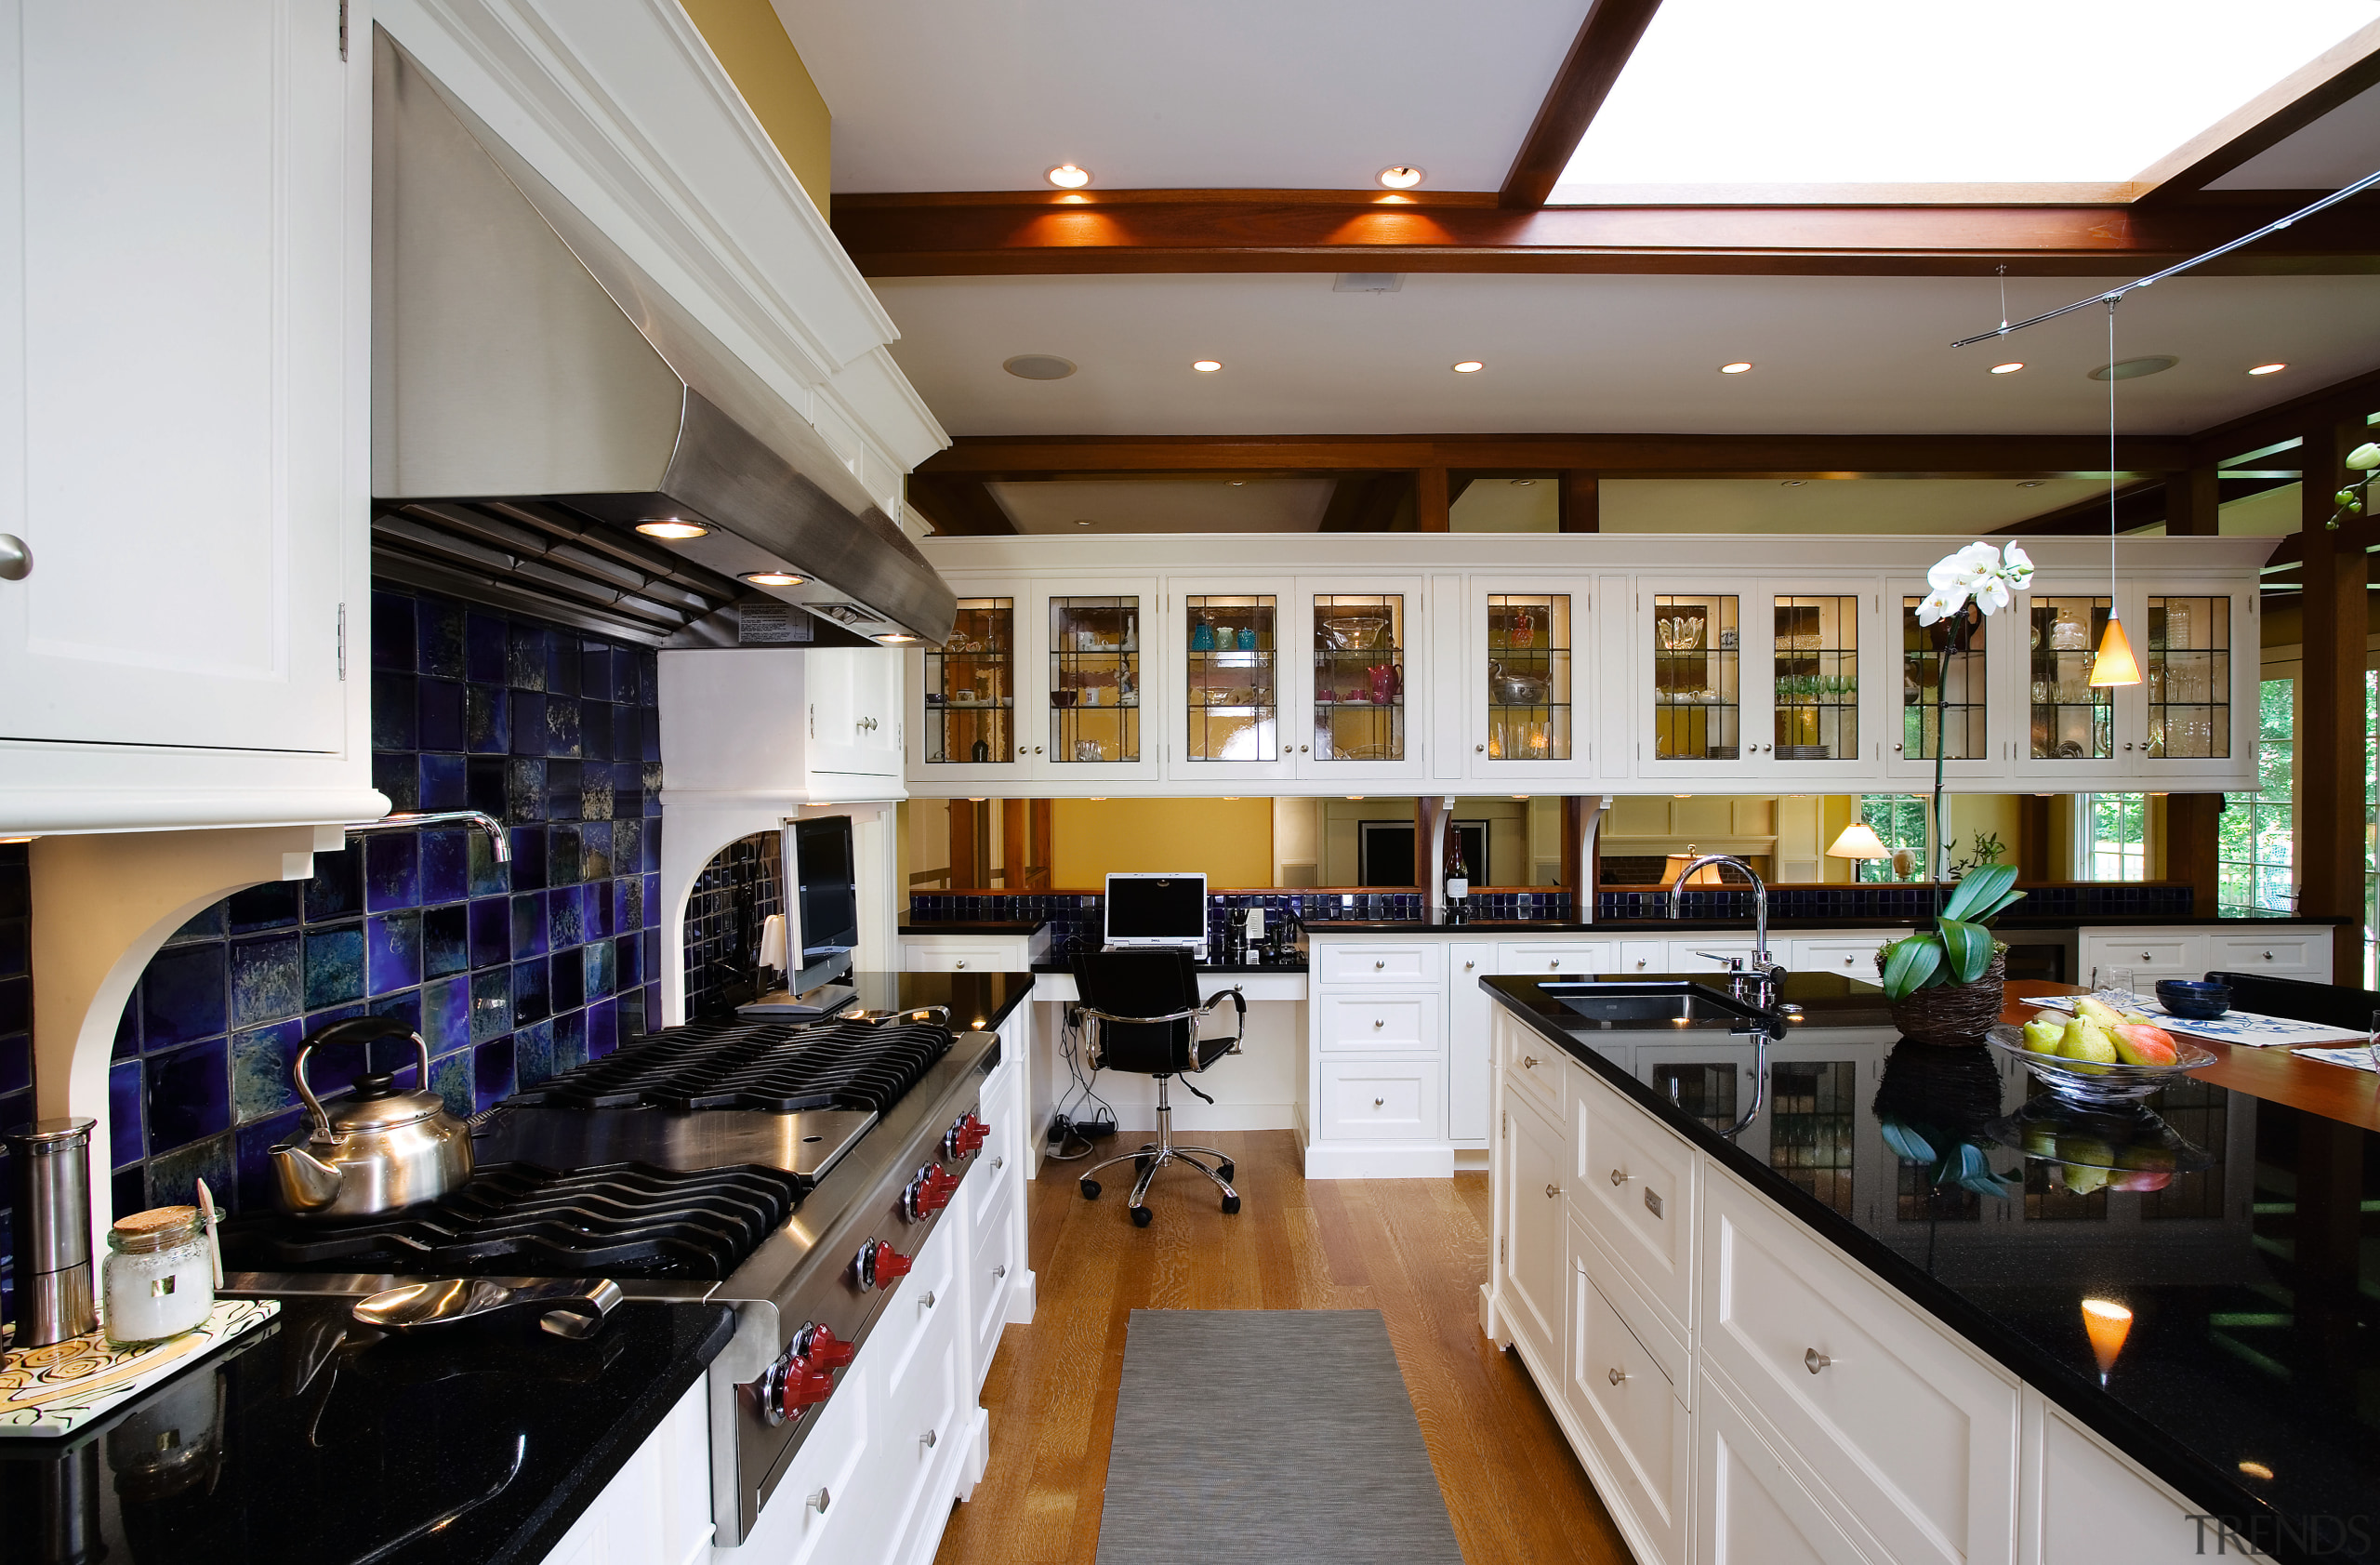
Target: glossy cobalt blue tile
[(190, 1095), (562, 726), (392, 871), (393, 637), (562, 855), (445, 940), (528, 925), (182, 996), (484, 650), (16, 1063), (271, 905), (336, 889), (484, 784), (16, 1007), (393, 724), (438, 715), (491, 1071), (446, 783), (334, 966), (595, 859), (438, 637), (267, 981), (491, 1004), (491, 931), (524, 656), (595, 964), (450, 1078), (489, 877), (570, 1040), (445, 867), (627, 962), (532, 1053), (261, 1062), (562, 663), (564, 797), (564, 924), (531, 998), (172, 1177), (595, 730), (391, 952), (524, 789), (447, 1013), (124, 1099), (596, 679), (528, 723), (251, 1149), (565, 980), (487, 718), (603, 1028)]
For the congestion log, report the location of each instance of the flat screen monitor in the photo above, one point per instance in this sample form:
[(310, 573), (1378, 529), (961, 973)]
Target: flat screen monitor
[(1147, 911), (826, 890)]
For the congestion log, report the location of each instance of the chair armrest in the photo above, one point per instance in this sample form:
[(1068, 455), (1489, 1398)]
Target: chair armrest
[(1239, 1004)]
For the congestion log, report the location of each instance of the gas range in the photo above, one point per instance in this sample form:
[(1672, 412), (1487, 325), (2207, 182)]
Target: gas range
[(790, 1171)]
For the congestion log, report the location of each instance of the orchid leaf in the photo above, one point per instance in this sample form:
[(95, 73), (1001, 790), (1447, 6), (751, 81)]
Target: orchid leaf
[(1909, 964), (1968, 946), (1981, 886), (1993, 911), (1907, 1145)]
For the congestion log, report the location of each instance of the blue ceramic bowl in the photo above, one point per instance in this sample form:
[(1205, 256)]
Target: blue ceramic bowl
[(2194, 999)]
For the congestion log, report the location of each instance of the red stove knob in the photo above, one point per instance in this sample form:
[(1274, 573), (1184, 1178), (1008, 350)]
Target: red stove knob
[(804, 1386), (939, 1187), (879, 1264), (972, 1134), (824, 1348)]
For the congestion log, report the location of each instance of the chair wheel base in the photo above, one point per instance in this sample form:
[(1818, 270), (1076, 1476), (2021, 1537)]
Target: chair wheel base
[(1231, 1205), (1090, 1189), (1227, 1171), (1143, 1217)]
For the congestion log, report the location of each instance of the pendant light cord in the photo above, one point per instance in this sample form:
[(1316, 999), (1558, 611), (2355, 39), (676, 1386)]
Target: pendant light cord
[(2111, 456)]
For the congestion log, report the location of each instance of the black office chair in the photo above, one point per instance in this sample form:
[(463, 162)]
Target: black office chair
[(2331, 1004), (1141, 1013)]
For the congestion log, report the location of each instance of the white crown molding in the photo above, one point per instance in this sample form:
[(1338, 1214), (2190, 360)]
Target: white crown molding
[(621, 106)]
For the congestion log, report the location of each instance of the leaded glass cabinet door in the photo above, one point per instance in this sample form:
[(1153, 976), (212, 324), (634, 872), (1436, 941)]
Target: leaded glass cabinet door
[(1231, 690), (1100, 660), (2197, 664), (1524, 676), (2069, 732), (1940, 692), (964, 712), (1364, 645), (1818, 726), (1705, 719)]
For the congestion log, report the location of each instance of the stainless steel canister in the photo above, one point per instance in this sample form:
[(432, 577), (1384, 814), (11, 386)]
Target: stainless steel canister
[(49, 1166)]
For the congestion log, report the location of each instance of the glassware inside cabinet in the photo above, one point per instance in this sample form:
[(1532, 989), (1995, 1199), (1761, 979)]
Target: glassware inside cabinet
[(1229, 677), (1697, 699), (1096, 679), (1359, 676), (2189, 678), (1817, 666), (1954, 720), (1528, 677), (971, 686), (2072, 719)]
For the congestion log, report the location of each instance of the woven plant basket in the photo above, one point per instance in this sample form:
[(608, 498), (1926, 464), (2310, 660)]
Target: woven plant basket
[(1953, 1014)]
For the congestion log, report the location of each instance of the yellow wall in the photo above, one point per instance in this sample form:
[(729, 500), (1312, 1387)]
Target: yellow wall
[(752, 46), (1229, 840)]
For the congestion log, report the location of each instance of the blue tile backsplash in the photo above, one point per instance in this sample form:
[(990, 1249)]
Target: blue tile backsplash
[(510, 971)]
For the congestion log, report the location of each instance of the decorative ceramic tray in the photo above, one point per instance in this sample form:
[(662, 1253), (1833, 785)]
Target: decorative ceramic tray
[(58, 1388)]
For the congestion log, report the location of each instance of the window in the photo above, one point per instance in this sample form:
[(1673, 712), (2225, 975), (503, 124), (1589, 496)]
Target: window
[(2256, 853), (2112, 836), (1899, 821), (2371, 830)]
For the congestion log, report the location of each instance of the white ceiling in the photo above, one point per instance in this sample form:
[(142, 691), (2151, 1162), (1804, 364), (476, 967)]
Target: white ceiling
[(1293, 505), (929, 95), (1609, 353), (2338, 148)]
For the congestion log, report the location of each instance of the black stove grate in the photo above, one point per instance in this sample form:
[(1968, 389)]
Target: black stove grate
[(626, 1220), (776, 1066)]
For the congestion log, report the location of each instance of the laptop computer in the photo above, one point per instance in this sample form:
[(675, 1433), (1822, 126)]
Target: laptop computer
[(1156, 913)]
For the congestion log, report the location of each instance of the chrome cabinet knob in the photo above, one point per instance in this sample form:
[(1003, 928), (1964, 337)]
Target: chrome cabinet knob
[(1553, 965), (1618, 1177), (1378, 965), (928, 1438), (1814, 1360), (928, 1301), (1551, 1191), (2267, 956), (960, 963), (1615, 1376), (1380, 1021), (16, 558), (1379, 1103), (1529, 1062), (1469, 965), (1480, 749), (820, 1501), (998, 1272), (999, 1163)]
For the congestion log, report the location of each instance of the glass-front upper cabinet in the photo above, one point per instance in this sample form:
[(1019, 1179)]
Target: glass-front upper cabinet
[(1361, 643), (2071, 722), (1814, 699), (1694, 649), (1943, 702), (2187, 690), (1524, 677), (970, 693), (1230, 721), (1098, 659)]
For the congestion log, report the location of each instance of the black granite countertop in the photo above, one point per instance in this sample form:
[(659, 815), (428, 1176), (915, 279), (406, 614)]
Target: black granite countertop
[(974, 926), (1297, 967), (2244, 1236), (313, 1443), (981, 1001), (1653, 928)]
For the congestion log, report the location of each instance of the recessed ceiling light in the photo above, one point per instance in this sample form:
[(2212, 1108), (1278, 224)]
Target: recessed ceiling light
[(2028, 483), (2132, 369), (1790, 483), (1080, 523), (671, 528), (1069, 177), (774, 578), (2267, 369), (1738, 367), (2011, 368), (2255, 1470), (1240, 483), (1206, 366), (1039, 366), (1469, 366), (1401, 176)]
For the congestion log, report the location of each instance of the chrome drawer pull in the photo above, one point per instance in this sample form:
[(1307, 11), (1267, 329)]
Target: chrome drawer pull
[(1377, 965), (1814, 1360), (1380, 1021), (999, 1163), (1618, 1177), (1529, 1062), (960, 963), (2267, 956), (1551, 1191), (928, 1301), (998, 1273), (929, 1439), (1614, 1376), (820, 1501), (1379, 1101)]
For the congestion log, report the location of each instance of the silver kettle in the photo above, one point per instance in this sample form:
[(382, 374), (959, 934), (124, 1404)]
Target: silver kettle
[(376, 1150)]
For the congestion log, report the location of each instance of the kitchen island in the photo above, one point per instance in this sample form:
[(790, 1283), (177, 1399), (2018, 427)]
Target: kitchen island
[(2055, 1342)]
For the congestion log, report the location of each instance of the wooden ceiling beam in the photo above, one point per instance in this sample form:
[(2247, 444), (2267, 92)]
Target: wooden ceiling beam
[(1015, 457), (2327, 82), (957, 503), (1053, 233), (1598, 54), (2356, 397)]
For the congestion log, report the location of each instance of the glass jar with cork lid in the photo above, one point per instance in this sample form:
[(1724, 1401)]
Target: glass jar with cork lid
[(158, 1281)]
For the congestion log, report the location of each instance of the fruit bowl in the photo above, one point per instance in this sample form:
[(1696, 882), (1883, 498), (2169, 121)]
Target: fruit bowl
[(2089, 1084)]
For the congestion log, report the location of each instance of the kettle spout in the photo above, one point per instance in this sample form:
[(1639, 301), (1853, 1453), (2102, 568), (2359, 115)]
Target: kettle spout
[(305, 1182)]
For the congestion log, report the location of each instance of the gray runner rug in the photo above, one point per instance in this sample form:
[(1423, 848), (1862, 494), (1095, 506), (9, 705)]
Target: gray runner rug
[(1268, 1437)]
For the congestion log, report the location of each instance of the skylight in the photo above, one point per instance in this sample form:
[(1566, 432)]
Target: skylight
[(1751, 92)]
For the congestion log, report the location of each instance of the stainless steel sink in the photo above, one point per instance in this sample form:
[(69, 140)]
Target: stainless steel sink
[(1674, 1003)]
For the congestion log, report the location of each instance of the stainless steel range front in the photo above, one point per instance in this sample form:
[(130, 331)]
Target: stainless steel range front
[(789, 1172)]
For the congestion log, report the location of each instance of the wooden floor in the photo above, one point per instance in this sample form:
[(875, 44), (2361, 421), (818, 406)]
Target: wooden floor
[(1415, 1250)]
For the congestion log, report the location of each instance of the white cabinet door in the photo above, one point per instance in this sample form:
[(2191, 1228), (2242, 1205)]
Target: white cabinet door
[(1101, 686), (854, 718), (2282, 953), (1361, 650), (970, 719), (1526, 674), (1636, 1184), (2191, 722), (183, 332), (1698, 703), (2086, 1505), (1535, 1267), (1967, 706), (1233, 710), (2150, 954), (1470, 1026), (1624, 1383), (1749, 1508)]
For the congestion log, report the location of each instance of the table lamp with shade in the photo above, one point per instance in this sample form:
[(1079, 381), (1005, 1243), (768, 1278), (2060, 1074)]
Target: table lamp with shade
[(1858, 840), (1674, 865)]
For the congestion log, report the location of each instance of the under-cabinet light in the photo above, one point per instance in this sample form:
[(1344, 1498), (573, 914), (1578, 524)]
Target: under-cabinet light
[(1401, 176), (1069, 177), (774, 578), (671, 528)]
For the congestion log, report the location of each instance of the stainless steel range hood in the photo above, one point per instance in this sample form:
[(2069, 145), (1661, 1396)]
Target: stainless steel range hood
[(525, 366)]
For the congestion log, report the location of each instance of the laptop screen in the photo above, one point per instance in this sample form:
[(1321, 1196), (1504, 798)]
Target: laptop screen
[(1157, 909)]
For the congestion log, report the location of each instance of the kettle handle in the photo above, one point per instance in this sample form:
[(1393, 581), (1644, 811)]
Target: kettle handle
[(356, 1029)]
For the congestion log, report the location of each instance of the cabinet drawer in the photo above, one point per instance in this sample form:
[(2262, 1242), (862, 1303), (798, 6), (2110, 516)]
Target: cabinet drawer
[(1625, 1384), (1368, 1101), (1633, 1185), (2155, 955), (1749, 1507), (1372, 963), (1385, 1021), (1532, 1066), (815, 1512), (2297, 954), (1576, 957), (934, 957), (1856, 957), (991, 1273), (1911, 1432), (1644, 956)]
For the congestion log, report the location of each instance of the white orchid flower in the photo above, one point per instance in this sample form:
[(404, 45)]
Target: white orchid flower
[(1941, 605), (1944, 574), (2364, 458), (1992, 594), (2017, 567)]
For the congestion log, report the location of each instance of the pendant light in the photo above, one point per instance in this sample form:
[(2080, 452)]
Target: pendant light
[(2115, 664)]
